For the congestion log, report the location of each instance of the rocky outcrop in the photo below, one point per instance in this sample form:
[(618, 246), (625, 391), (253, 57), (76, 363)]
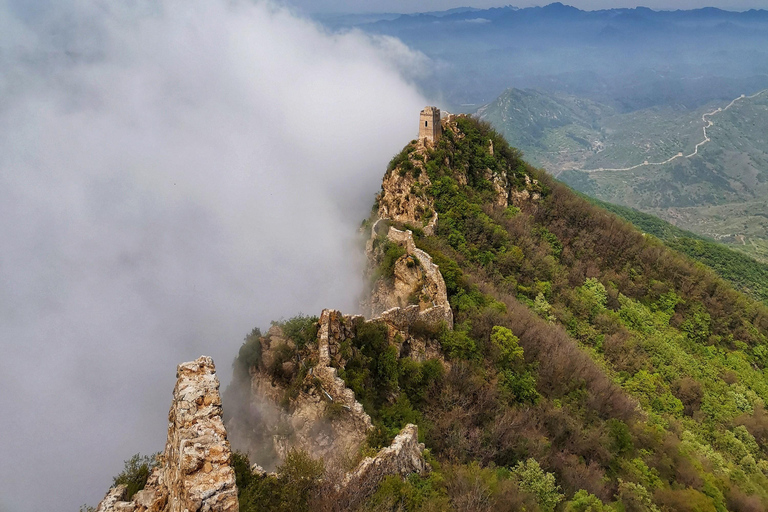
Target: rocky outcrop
[(500, 185), (531, 193), (404, 196), (115, 498), (313, 410), (306, 406), (404, 456), (434, 284), (197, 455), (416, 277), (194, 472), (350, 424)]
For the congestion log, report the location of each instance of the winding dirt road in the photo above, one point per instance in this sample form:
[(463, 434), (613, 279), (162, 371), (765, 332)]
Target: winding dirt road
[(707, 124)]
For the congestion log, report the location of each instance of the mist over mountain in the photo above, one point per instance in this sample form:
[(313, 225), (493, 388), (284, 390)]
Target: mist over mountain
[(521, 349), (581, 90), (630, 58), (170, 177)]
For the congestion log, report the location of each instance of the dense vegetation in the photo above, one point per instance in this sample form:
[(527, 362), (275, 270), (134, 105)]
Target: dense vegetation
[(590, 368), (742, 271)]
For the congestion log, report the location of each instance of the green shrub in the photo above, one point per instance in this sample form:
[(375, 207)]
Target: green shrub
[(621, 437), (635, 498), (249, 355), (457, 343), (418, 379), (505, 350), (413, 493), (135, 473), (391, 252), (242, 467), (298, 477), (519, 386), (585, 502), (301, 329), (398, 159)]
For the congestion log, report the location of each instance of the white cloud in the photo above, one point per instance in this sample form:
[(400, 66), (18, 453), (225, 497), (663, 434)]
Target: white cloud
[(171, 175)]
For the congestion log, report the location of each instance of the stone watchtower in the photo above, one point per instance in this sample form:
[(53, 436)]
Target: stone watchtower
[(429, 124)]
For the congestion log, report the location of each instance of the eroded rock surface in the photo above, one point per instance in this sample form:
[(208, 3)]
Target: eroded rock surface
[(404, 196), (194, 472), (115, 495), (404, 456), (417, 290), (311, 408), (303, 404)]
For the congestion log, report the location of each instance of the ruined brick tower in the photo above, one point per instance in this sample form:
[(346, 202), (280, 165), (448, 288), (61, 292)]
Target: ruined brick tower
[(429, 124)]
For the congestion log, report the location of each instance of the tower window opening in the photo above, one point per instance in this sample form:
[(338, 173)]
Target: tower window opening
[(426, 123)]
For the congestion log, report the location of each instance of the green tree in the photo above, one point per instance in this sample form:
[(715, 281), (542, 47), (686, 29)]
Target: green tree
[(506, 350), (593, 297), (585, 502), (698, 324), (635, 498), (301, 474), (534, 480), (249, 354), (301, 329)]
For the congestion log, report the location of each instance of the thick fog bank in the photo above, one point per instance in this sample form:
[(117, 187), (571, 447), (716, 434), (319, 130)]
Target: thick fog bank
[(172, 174)]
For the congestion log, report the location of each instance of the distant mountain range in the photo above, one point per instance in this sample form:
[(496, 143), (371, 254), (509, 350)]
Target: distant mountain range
[(582, 90), (628, 58)]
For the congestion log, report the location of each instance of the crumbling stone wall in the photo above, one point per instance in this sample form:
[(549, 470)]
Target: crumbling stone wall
[(318, 414), (404, 456), (426, 281)]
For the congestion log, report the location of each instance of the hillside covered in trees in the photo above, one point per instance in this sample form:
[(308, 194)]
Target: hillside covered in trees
[(589, 368)]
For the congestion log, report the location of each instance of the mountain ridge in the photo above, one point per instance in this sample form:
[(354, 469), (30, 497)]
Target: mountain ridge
[(586, 366), (613, 344)]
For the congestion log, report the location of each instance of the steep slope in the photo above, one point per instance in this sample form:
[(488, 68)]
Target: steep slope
[(702, 169), (588, 365), (535, 353), (744, 273), (675, 337)]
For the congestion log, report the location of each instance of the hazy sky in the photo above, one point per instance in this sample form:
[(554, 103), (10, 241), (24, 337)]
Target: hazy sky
[(436, 5), (172, 174)]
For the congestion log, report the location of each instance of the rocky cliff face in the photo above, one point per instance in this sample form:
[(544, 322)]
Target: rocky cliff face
[(416, 291), (404, 196), (301, 403), (194, 472), (404, 456), (312, 410)]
